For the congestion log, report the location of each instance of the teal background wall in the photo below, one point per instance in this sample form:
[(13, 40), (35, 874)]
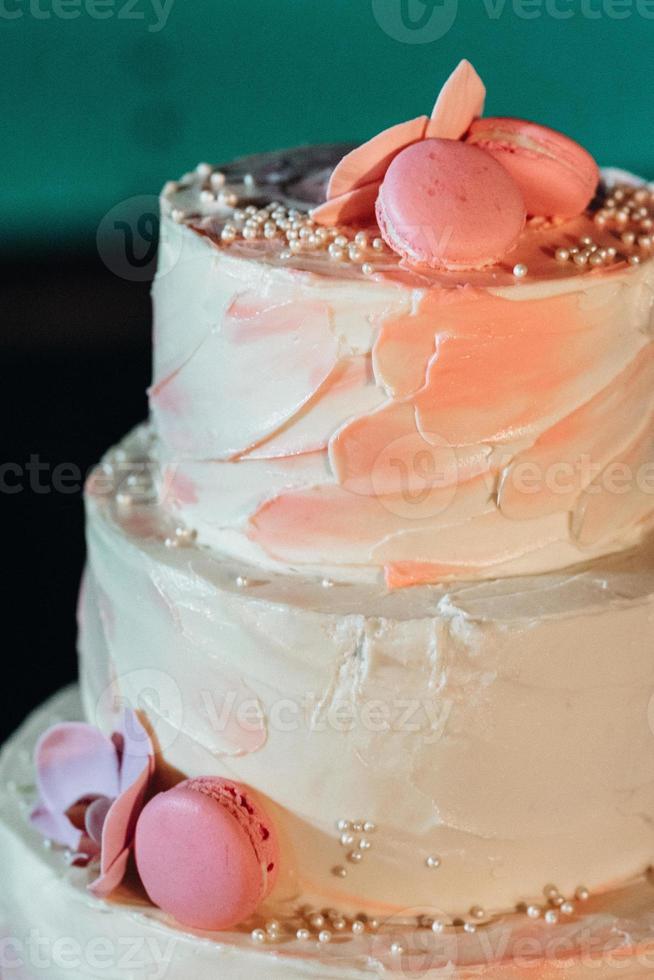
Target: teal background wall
[(104, 99)]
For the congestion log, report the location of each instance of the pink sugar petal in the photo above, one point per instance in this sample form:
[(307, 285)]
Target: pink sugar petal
[(110, 879), (368, 163), (118, 831), (355, 207), (73, 761), (461, 100)]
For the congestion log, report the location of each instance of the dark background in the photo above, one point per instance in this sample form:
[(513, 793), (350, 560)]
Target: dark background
[(100, 103)]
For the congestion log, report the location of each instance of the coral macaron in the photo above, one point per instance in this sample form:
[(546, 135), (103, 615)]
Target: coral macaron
[(447, 204), (206, 852), (557, 177)]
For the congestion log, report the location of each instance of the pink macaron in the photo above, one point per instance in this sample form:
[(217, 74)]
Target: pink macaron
[(448, 204), (557, 177), (206, 852)]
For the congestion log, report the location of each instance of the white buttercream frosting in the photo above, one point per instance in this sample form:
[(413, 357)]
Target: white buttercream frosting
[(502, 726)]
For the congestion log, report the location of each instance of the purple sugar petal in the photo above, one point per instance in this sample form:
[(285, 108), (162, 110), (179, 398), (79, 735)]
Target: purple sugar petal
[(97, 783), (73, 761), (55, 827)]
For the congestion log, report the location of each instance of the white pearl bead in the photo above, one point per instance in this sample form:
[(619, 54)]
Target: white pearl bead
[(303, 935), (520, 270), (533, 911), (342, 824), (397, 949), (369, 827), (358, 927), (582, 894), (562, 254), (433, 862), (567, 908), (324, 936), (437, 926), (258, 936), (551, 917)]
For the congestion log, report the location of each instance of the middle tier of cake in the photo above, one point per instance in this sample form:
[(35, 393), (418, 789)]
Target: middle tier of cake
[(438, 747)]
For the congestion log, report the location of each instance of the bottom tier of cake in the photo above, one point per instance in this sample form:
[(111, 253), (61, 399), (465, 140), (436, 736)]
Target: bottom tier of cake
[(51, 927)]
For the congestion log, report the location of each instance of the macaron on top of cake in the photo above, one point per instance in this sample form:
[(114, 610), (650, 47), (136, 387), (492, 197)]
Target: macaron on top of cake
[(439, 204), (557, 177), (448, 204), (207, 852)]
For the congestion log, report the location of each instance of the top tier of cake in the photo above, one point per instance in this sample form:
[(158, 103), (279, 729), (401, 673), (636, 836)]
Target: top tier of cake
[(322, 408)]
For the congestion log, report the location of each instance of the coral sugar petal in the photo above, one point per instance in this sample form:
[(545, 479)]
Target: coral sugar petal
[(369, 162), (461, 100), (356, 207)]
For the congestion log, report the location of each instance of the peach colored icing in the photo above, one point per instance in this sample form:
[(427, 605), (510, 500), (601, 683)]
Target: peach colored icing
[(414, 424)]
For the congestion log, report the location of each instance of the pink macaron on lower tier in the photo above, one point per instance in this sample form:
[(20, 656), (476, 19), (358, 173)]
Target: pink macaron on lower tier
[(447, 204), (207, 852)]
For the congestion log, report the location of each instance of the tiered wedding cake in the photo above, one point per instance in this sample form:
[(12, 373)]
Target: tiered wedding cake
[(381, 556)]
